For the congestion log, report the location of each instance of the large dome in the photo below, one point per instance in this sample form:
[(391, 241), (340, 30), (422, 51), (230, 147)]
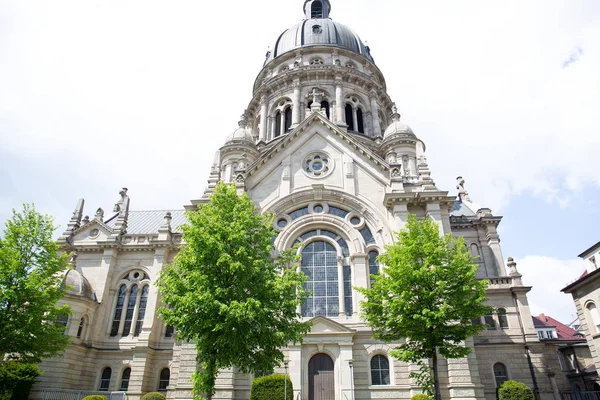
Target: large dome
[(317, 29)]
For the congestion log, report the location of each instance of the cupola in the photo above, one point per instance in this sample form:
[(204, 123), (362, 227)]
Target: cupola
[(317, 9), (397, 127)]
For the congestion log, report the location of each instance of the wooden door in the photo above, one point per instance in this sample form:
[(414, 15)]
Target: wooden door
[(321, 384)]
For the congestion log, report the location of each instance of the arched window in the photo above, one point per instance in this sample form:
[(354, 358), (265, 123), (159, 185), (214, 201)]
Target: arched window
[(319, 263), (278, 124), (373, 265), (500, 374), (163, 381), (125, 379), (317, 10), (359, 120), (130, 309), (380, 370), (491, 324), (349, 117), (142, 311), (81, 328), (62, 322), (169, 331), (118, 311), (288, 119), (105, 379), (502, 318), (595, 316)]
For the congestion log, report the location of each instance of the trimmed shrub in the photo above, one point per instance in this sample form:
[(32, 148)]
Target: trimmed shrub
[(153, 396), (16, 379), (420, 396), (513, 390), (94, 397), (271, 387)]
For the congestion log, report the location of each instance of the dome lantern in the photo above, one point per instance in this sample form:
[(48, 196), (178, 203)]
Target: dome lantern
[(315, 9)]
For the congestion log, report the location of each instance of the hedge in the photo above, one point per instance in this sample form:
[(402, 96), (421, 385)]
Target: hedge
[(153, 396), (94, 397), (16, 379), (271, 387), (420, 396), (513, 390)]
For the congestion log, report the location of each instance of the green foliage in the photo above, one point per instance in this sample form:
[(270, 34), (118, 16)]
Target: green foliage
[(153, 396), (16, 379), (94, 397), (229, 293), (513, 390), (31, 273), (420, 396), (428, 294), (272, 387)]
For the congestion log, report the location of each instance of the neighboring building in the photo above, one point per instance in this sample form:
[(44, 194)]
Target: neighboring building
[(321, 145), (572, 353), (586, 295)]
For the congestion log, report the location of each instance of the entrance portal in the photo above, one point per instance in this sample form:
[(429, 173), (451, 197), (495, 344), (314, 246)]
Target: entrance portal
[(321, 385)]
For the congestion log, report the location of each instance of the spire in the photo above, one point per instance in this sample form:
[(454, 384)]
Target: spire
[(74, 223), (316, 9), (395, 114), (122, 208)]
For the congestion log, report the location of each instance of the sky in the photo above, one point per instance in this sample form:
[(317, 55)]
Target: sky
[(100, 95)]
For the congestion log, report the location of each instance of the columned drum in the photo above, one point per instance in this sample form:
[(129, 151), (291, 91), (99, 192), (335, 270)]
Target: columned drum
[(321, 385)]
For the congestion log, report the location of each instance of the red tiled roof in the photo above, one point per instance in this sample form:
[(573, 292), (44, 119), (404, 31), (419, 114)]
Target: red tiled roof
[(563, 331)]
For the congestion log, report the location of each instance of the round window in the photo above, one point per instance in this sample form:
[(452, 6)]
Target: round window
[(282, 223), (136, 275), (317, 165), (318, 208), (355, 221)]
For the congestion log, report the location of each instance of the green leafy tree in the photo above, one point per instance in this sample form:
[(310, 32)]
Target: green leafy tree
[(31, 272), (228, 293), (427, 294)]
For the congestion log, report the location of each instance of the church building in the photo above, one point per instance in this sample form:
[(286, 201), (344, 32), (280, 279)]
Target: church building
[(322, 146)]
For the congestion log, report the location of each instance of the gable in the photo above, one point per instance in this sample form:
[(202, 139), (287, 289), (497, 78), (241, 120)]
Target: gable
[(91, 233), (287, 167), (322, 325)]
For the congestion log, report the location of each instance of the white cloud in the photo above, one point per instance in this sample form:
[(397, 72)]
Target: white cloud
[(548, 276)]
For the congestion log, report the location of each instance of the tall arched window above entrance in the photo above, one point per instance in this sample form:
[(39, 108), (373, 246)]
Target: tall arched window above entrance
[(114, 330), (373, 265), (141, 311), (130, 307), (319, 264)]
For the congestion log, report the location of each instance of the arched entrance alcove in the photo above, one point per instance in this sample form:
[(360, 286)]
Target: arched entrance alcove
[(321, 382)]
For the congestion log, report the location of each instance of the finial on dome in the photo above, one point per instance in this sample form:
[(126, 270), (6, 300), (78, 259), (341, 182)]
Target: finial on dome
[(243, 120), (316, 9), (395, 115)]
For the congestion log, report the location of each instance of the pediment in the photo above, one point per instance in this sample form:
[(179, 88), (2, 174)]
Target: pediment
[(92, 232), (326, 326), (317, 128)]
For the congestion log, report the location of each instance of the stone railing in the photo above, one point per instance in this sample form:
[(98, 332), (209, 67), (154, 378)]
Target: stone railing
[(60, 394), (502, 282)]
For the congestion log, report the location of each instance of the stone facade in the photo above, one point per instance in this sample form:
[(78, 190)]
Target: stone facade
[(321, 146)]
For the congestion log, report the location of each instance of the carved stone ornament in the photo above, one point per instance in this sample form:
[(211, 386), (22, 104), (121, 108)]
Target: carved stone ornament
[(240, 179), (396, 173)]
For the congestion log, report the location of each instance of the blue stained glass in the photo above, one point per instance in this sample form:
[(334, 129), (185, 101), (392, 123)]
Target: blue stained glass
[(367, 235), (323, 280), (299, 213), (328, 234), (331, 273), (338, 212)]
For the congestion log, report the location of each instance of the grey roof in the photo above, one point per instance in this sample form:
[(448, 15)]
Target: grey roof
[(145, 222), (460, 209), (319, 31)]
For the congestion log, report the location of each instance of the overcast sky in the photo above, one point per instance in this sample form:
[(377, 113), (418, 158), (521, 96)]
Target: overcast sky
[(99, 95)]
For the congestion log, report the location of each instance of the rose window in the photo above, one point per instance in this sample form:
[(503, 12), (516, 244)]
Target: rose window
[(317, 165)]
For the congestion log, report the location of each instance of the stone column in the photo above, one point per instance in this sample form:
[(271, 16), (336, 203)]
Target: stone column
[(355, 119), (263, 118), (296, 105), (347, 373), (375, 112), (295, 368), (339, 102), (434, 212), (400, 212), (360, 269)]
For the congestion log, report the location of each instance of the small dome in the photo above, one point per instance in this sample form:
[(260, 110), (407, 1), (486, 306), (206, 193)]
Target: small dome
[(397, 127), (241, 134), (77, 285)]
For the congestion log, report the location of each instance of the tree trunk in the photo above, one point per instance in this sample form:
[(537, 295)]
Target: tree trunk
[(436, 378)]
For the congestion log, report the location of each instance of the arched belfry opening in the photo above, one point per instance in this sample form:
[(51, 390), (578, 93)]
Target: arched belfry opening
[(316, 9)]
